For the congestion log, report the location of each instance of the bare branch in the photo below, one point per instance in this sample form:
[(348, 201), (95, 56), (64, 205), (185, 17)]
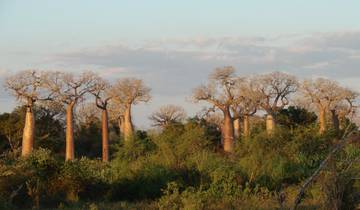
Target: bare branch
[(167, 115), (274, 90), (130, 91)]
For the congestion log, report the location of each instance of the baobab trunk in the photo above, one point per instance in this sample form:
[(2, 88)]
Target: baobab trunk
[(120, 124), (237, 128), (28, 133), (335, 121), (69, 154), (105, 135), (128, 127), (246, 126), (270, 124), (228, 132), (322, 121)]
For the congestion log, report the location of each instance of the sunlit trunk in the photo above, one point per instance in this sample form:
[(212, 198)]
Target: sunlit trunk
[(246, 128), (69, 154), (128, 126), (28, 133), (322, 121), (228, 132), (237, 128), (105, 135), (270, 124)]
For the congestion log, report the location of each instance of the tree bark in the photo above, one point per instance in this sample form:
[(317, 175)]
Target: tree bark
[(270, 124), (322, 121), (335, 120), (237, 128), (69, 154), (120, 123), (246, 126), (228, 132), (105, 135), (128, 126), (28, 133), (121, 126)]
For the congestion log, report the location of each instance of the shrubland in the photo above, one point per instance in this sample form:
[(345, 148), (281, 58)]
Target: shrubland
[(182, 167)]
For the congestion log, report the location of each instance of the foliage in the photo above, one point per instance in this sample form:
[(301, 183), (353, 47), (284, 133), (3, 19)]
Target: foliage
[(49, 132), (292, 117)]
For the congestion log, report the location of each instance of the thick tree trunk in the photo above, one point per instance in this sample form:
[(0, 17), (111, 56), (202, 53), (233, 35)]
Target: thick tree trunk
[(28, 133), (270, 124), (122, 127), (69, 154), (246, 126), (105, 135), (128, 126), (237, 128), (335, 121), (322, 120), (228, 132), (120, 123)]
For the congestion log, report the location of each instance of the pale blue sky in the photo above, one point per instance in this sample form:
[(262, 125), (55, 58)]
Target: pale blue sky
[(173, 45), (39, 23)]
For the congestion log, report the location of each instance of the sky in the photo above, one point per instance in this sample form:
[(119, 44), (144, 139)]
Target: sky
[(174, 45)]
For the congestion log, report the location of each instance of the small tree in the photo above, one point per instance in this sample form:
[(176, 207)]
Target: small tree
[(344, 107), (69, 90), (274, 90), (28, 87), (220, 93), (116, 114), (168, 114), (128, 92)]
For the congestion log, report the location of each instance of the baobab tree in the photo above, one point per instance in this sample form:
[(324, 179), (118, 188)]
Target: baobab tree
[(220, 92), (167, 115), (116, 114), (344, 107), (273, 90), (69, 90), (28, 88), (329, 98), (245, 107), (128, 92), (102, 98)]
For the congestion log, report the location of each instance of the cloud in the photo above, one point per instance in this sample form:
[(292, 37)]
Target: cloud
[(173, 67), (320, 65), (348, 40), (174, 57)]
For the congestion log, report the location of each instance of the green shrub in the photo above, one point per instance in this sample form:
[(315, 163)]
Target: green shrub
[(81, 178)]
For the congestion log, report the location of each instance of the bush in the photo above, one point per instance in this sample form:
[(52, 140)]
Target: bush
[(82, 178)]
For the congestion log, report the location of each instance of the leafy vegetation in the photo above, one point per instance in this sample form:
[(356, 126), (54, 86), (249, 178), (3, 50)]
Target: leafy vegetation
[(181, 167)]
